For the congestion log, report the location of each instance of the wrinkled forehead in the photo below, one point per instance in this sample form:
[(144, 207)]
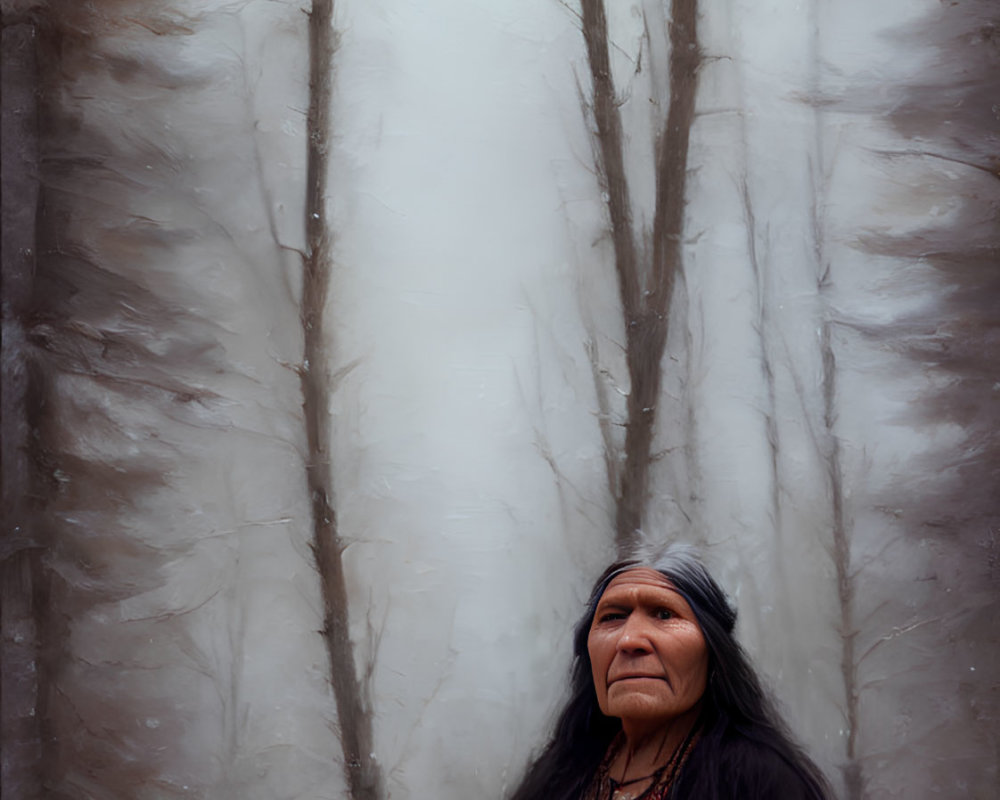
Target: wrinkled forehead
[(639, 576)]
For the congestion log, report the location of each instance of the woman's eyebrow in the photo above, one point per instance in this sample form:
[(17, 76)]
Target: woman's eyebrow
[(614, 603), (641, 599)]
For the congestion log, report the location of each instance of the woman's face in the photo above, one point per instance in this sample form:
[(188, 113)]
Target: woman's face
[(647, 652)]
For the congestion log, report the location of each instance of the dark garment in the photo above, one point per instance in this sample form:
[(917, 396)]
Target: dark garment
[(739, 769), (742, 769)]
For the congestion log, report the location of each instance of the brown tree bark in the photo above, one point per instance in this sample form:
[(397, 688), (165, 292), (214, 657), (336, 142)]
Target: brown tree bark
[(353, 706), (645, 286)]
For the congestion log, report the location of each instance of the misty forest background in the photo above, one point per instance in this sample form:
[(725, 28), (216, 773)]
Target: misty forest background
[(345, 343)]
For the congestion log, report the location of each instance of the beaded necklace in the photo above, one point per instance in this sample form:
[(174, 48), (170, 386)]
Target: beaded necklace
[(604, 787)]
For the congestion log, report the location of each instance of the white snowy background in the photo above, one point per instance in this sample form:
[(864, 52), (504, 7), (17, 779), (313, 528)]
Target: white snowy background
[(170, 621)]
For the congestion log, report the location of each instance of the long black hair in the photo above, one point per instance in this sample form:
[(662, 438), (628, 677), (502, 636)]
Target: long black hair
[(743, 749)]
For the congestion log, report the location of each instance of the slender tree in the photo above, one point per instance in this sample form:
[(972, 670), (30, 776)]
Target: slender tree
[(646, 270), (826, 440), (353, 705)]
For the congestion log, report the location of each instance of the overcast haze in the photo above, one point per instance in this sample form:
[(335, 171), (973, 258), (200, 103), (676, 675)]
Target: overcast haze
[(825, 428)]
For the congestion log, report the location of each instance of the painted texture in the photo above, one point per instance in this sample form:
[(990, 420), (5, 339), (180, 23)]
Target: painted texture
[(826, 407)]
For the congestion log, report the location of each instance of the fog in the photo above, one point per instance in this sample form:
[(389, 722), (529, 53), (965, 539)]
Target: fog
[(174, 412)]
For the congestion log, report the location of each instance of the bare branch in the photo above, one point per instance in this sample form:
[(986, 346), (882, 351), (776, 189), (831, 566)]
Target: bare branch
[(895, 633), (992, 170)]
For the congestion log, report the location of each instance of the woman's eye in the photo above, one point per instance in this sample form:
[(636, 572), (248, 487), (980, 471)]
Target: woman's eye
[(664, 613), (611, 616)]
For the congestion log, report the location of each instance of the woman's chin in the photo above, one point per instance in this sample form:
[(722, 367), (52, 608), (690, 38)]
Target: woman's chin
[(642, 704)]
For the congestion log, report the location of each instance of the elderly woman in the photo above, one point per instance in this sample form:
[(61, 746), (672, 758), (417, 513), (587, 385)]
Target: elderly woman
[(664, 703)]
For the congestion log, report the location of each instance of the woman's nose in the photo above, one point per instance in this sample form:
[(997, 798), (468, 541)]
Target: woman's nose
[(634, 638)]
